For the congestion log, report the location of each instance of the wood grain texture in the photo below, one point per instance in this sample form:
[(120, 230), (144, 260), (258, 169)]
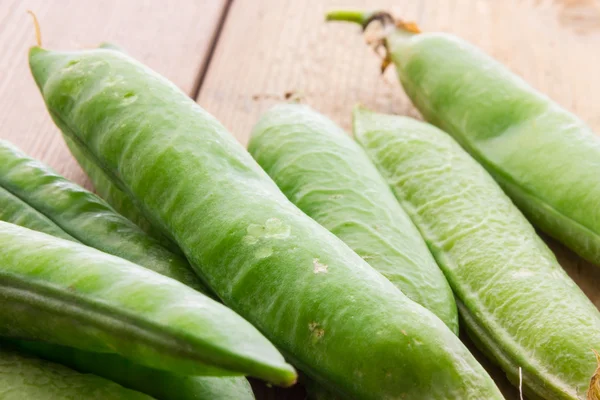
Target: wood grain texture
[(270, 47), (171, 37)]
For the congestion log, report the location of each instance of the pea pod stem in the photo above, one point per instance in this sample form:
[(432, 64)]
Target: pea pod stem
[(389, 25), (36, 26), (364, 19), (360, 17)]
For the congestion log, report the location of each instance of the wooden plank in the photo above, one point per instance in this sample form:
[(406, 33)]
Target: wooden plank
[(271, 47), (173, 38)]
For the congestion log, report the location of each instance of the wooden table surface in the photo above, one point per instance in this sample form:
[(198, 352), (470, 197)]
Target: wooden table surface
[(236, 58)]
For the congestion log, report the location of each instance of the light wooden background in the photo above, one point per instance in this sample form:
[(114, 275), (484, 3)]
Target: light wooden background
[(227, 53)]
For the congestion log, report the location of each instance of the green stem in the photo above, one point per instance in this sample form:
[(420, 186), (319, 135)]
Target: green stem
[(360, 17)]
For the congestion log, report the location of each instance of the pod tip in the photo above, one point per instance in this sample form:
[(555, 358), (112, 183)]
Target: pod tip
[(36, 25), (288, 378)]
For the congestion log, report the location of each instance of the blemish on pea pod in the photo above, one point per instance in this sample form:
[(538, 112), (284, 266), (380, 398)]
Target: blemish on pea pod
[(329, 177), (27, 377), (36, 197), (349, 328), (544, 157), (515, 300), (64, 293), (161, 385)]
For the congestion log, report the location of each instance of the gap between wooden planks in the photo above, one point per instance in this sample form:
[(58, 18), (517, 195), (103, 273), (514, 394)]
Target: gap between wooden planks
[(173, 38), (271, 47)]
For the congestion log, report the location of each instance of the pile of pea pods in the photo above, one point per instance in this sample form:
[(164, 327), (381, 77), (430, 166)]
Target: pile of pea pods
[(352, 260)]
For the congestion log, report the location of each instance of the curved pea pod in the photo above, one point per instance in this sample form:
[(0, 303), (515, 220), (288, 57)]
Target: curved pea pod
[(329, 177), (35, 196), (515, 300), (544, 157), (26, 377), (69, 204), (159, 384), (334, 316), (61, 292)]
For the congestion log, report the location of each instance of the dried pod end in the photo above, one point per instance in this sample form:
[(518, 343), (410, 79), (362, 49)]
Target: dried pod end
[(593, 392)]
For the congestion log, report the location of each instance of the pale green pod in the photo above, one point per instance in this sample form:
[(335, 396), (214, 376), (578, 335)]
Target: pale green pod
[(329, 177), (516, 301), (65, 293), (544, 157)]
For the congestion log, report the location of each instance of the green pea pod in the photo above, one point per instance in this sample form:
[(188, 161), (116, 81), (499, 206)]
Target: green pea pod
[(516, 301), (64, 293), (26, 377), (329, 177), (70, 204), (159, 384), (338, 319), (62, 205), (113, 195), (16, 211), (544, 157), (128, 374), (118, 200)]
